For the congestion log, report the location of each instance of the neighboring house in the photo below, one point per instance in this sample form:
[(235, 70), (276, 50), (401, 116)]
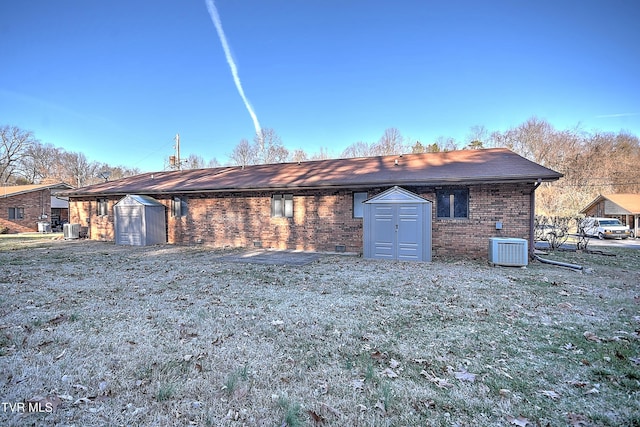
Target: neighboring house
[(22, 207), (318, 205), (625, 207)]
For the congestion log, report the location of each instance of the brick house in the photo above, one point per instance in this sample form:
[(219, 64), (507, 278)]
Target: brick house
[(625, 207), (317, 205), (23, 206)]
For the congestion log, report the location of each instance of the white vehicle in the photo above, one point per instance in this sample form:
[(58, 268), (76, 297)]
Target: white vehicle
[(604, 228)]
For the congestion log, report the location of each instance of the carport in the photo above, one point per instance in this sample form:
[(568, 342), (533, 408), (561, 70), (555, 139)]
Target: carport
[(397, 226)]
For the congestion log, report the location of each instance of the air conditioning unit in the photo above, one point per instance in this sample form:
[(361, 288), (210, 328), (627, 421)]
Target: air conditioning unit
[(508, 251), (71, 231)]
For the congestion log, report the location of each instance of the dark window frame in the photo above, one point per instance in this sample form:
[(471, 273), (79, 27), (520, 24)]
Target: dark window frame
[(16, 213), (179, 207), (452, 203), (102, 208)]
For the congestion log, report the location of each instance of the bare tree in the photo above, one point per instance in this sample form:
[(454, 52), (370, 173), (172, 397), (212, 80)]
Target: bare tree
[(193, 161), (444, 143), (40, 161), (357, 149), (213, 163), (14, 143), (323, 154), (299, 155), (81, 171), (478, 137), (269, 147), (391, 142), (244, 154)]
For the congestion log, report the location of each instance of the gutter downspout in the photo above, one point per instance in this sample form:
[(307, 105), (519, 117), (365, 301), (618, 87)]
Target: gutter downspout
[(532, 218)]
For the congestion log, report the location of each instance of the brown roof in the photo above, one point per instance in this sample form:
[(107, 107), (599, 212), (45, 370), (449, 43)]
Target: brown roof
[(447, 168), (12, 190), (628, 202)]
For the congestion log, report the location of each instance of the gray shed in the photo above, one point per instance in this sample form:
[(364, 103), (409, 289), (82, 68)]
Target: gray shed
[(397, 226), (139, 221)]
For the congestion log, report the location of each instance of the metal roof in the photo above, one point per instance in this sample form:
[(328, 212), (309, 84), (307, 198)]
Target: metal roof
[(447, 168), (136, 199)]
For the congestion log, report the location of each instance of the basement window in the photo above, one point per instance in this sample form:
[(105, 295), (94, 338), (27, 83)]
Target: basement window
[(452, 204), (178, 207), (282, 206), (103, 207), (16, 213)]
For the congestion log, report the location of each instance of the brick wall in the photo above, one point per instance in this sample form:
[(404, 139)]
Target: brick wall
[(83, 211), (34, 203), (322, 219)]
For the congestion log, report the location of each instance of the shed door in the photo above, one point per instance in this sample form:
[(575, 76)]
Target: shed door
[(383, 237), (130, 224), (409, 232), (397, 231)]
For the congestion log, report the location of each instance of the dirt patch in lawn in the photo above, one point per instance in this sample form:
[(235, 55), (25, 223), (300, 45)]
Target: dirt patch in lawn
[(95, 334)]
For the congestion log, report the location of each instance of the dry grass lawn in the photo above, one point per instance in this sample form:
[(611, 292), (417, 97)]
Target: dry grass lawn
[(93, 334)]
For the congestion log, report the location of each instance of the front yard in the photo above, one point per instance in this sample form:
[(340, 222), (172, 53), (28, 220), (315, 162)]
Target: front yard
[(93, 334)]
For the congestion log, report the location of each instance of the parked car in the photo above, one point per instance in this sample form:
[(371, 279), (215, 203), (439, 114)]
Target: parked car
[(604, 228)]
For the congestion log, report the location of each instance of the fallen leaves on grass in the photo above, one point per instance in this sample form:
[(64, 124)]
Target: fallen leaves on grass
[(58, 319), (463, 375), (550, 394), (577, 420), (388, 372), (376, 355), (357, 384), (43, 403), (439, 382), (590, 336), (317, 418), (519, 421)]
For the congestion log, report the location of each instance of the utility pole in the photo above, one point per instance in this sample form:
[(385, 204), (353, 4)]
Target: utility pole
[(174, 161)]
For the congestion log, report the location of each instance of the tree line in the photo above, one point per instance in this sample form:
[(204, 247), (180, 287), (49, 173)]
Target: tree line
[(592, 162), (25, 160)]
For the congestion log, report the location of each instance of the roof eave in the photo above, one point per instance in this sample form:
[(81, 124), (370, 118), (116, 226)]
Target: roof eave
[(362, 185)]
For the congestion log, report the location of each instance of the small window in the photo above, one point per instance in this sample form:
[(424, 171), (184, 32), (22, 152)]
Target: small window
[(103, 207), (16, 213), (453, 203), (282, 206), (178, 207), (358, 207)]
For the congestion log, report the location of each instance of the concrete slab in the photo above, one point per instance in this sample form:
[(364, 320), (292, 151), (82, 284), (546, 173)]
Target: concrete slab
[(272, 257)]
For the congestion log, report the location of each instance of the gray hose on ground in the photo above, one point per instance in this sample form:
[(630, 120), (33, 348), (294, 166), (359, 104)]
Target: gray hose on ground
[(558, 263)]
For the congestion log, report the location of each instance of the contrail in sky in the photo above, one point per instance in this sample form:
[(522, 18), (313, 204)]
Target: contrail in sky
[(232, 65)]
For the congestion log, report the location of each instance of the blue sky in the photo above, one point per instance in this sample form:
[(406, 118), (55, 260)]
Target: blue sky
[(117, 80)]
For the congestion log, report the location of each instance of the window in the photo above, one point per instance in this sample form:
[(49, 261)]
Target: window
[(282, 205), (178, 207), (453, 203), (103, 207), (358, 207), (16, 213)]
